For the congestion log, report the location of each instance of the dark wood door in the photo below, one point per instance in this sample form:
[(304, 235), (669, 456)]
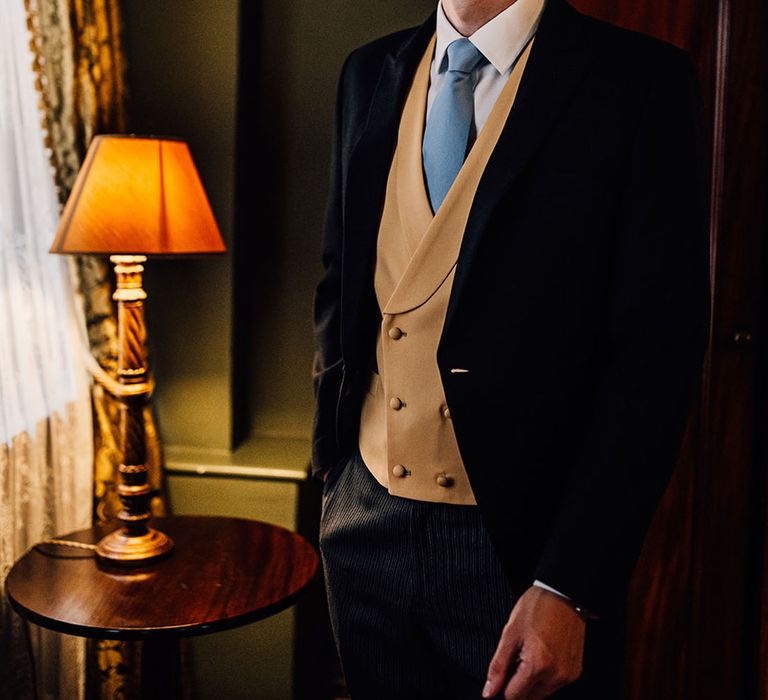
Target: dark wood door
[(698, 612)]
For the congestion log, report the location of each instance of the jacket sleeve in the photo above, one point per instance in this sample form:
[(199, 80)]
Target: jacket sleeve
[(327, 369), (655, 342)]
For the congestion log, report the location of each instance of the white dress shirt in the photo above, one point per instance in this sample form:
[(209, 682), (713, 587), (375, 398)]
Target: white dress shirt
[(501, 41)]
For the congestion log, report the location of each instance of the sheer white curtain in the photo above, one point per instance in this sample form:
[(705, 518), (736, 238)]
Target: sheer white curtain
[(45, 415)]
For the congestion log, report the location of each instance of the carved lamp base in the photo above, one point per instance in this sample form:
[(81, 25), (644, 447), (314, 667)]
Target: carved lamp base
[(134, 544), (122, 548)]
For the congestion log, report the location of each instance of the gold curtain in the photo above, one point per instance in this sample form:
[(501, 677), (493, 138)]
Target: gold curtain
[(80, 66)]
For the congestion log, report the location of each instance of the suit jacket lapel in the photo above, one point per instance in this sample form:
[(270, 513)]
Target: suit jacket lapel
[(367, 172), (559, 59)]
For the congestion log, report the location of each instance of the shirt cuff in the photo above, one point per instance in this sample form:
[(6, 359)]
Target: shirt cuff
[(541, 584), (584, 613)]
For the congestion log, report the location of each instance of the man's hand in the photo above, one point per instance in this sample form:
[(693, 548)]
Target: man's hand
[(540, 649)]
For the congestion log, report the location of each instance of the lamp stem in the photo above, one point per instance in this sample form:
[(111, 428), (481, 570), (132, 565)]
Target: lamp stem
[(135, 542)]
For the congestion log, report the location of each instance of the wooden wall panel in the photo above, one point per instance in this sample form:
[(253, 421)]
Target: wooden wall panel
[(676, 21), (731, 512)]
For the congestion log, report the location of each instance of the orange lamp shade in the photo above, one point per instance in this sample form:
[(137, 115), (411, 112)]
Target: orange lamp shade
[(138, 195)]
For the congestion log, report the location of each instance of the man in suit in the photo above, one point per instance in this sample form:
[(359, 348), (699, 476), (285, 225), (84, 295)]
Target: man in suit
[(510, 331)]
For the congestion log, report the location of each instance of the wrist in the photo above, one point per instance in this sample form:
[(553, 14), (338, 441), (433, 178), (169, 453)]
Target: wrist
[(564, 600), (583, 612)]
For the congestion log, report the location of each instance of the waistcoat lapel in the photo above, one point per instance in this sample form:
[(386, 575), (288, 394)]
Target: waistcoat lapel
[(434, 242), (366, 176)]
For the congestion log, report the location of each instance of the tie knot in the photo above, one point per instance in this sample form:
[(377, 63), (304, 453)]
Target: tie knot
[(463, 56)]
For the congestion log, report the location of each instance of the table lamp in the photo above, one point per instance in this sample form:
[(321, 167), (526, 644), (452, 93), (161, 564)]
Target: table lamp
[(135, 196)]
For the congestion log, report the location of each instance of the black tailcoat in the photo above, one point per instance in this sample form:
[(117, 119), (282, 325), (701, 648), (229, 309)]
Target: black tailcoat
[(580, 300)]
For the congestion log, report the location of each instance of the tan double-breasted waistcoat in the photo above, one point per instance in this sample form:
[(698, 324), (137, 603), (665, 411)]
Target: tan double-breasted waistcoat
[(406, 434)]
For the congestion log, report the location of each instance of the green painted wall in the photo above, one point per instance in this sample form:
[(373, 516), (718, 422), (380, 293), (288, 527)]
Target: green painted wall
[(183, 57), (305, 43)]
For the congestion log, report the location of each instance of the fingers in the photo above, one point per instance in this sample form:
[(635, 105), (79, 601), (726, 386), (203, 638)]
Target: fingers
[(529, 682), (537, 678), (533, 676), (504, 662)]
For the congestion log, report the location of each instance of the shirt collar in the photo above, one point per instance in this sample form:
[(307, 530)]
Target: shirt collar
[(500, 40)]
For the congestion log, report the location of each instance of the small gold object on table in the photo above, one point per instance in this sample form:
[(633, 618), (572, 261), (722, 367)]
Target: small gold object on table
[(136, 196)]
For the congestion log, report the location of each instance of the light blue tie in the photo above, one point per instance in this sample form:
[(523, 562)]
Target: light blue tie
[(446, 136)]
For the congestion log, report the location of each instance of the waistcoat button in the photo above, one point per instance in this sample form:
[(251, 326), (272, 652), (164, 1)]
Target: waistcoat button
[(395, 403), (444, 481), (395, 333), (399, 471)]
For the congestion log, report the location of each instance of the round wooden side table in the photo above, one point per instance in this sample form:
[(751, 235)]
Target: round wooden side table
[(223, 573)]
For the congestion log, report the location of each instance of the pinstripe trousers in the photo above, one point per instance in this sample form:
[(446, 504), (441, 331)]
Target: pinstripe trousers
[(416, 594), (418, 599)]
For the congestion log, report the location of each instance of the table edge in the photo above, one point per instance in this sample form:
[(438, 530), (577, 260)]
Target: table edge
[(177, 631)]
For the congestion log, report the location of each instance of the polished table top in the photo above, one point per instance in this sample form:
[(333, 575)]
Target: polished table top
[(223, 573)]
